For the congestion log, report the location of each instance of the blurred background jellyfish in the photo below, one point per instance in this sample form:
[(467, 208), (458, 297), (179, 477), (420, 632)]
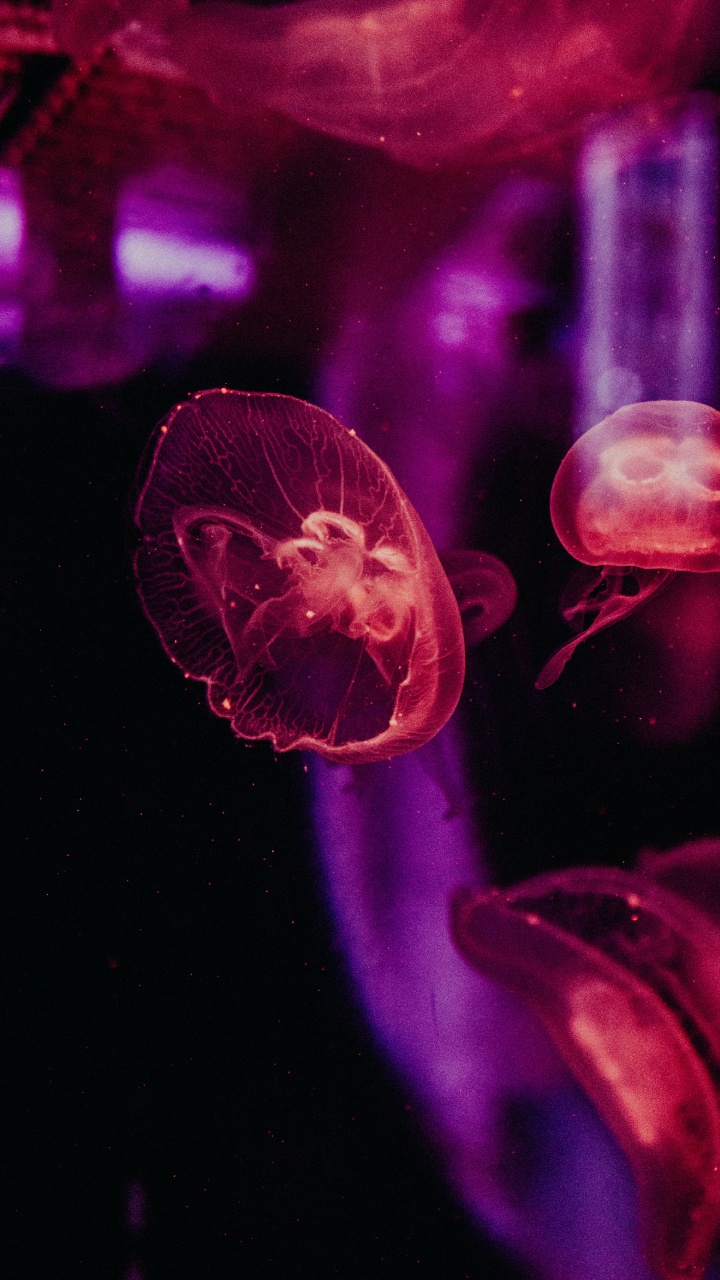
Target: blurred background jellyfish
[(638, 496), (181, 258), (428, 81), (143, 269), (484, 589), (172, 259)]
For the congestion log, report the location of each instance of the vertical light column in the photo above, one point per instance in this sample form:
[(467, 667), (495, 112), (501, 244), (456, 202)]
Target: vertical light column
[(648, 326), (527, 1154)]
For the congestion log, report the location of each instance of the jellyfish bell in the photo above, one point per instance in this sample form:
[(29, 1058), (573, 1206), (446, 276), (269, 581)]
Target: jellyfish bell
[(282, 564), (638, 498), (642, 488)]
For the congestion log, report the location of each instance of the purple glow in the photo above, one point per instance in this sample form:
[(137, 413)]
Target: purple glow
[(12, 220), (449, 346), (178, 236), (12, 247), (11, 324), (148, 261), (472, 1059), (395, 839), (135, 1210), (475, 304)]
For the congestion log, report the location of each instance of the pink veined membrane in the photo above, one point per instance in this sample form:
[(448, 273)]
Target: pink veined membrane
[(624, 976), (282, 564), (426, 80)]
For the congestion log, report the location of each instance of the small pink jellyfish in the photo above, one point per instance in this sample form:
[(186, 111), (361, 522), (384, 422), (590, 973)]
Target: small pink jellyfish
[(484, 589), (637, 496), (623, 975), (282, 564)]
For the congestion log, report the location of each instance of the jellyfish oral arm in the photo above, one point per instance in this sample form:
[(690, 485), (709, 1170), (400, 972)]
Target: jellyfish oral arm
[(607, 597)]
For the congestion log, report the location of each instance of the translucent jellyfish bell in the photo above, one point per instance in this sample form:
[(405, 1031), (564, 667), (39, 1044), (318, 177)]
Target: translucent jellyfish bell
[(282, 564), (637, 496), (642, 488)]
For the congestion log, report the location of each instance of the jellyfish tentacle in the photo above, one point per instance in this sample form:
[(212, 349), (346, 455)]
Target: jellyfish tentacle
[(608, 599)]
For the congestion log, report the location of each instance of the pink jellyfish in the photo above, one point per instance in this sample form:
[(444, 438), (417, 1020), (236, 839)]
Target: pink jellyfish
[(282, 564), (623, 973), (638, 497), (691, 870)]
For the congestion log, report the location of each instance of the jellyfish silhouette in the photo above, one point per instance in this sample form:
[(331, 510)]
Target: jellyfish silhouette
[(282, 564), (638, 497), (623, 972)]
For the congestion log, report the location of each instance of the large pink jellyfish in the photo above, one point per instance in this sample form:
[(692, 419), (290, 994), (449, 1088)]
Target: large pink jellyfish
[(623, 973), (637, 496), (282, 564), (425, 80)]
